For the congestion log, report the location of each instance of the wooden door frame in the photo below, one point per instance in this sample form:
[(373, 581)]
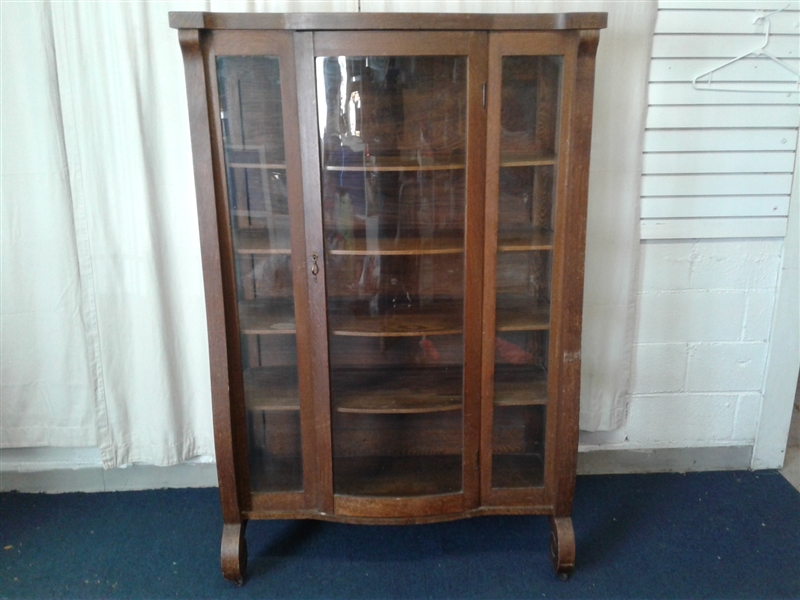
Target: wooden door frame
[(473, 45), (566, 288), (225, 347)]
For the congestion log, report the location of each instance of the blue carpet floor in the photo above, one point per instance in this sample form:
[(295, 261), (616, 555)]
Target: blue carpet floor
[(703, 535)]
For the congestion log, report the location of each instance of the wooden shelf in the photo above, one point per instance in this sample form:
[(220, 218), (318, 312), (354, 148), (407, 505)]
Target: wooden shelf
[(517, 471), (403, 246), (518, 313), (441, 318), (397, 475), (524, 239), (396, 391), (264, 166), (275, 474), (267, 317), (271, 389), (526, 159), (258, 241), (519, 385), (391, 163), (363, 391), (253, 157)]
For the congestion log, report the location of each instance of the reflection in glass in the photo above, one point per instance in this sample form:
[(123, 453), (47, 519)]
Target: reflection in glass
[(526, 211), (393, 143), (252, 128)]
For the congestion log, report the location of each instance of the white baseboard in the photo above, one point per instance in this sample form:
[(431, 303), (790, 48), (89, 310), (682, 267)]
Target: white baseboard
[(665, 460), (97, 479)]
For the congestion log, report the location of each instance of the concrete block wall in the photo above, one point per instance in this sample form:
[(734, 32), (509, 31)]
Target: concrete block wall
[(704, 315)]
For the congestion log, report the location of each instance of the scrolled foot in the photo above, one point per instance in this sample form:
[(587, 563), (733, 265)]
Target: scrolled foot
[(562, 546), (234, 552)]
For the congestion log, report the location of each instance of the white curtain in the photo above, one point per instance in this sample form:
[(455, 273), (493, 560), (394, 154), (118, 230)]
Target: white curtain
[(102, 311)]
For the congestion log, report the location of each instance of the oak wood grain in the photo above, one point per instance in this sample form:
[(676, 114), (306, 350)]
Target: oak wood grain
[(435, 319), (402, 246), (267, 317), (397, 390), (520, 385), (228, 421), (572, 255), (272, 389), (389, 21)]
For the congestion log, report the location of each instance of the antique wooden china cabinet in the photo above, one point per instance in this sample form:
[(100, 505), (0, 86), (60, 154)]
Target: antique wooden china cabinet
[(392, 211)]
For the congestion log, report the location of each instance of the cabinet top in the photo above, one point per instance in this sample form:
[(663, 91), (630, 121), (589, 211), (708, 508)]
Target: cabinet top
[(387, 21)]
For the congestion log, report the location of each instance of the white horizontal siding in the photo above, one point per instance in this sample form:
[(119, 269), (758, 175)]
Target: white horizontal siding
[(671, 207), (763, 5), (719, 164), (670, 229), (681, 93), (715, 117), (726, 22), (700, 140), (720, 46), (744, 70), (717, 184)]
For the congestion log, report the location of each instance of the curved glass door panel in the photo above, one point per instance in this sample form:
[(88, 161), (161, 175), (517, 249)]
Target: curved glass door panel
[(393, 143), (252, 126), (526, 210)]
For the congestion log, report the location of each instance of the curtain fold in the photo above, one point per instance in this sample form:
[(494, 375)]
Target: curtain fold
[(119, 70), (46, 380), (612, 235), (103, 316)]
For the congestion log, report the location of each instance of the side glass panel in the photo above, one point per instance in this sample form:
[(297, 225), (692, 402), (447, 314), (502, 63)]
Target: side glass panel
[(527, 205), (393, 143), (252, 122)]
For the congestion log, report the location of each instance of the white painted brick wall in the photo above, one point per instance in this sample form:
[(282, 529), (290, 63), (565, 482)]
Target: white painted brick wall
[(691, 315), (726, 367), (747, 413), (659, 368), (681, 420), (704, 317), (758, 315)]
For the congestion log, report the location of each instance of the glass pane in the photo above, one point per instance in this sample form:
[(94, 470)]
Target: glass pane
[(528, 152), (393, 132), (252, 122)]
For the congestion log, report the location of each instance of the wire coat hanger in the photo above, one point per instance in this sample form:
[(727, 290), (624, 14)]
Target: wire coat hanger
[(760, 51)]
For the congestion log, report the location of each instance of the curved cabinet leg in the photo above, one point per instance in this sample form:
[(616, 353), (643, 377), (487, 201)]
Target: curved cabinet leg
[(562, 546), (234, 552)]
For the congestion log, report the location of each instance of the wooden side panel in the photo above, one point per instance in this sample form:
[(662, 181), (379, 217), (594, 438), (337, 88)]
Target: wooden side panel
[(572, 250), (229, 419)]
